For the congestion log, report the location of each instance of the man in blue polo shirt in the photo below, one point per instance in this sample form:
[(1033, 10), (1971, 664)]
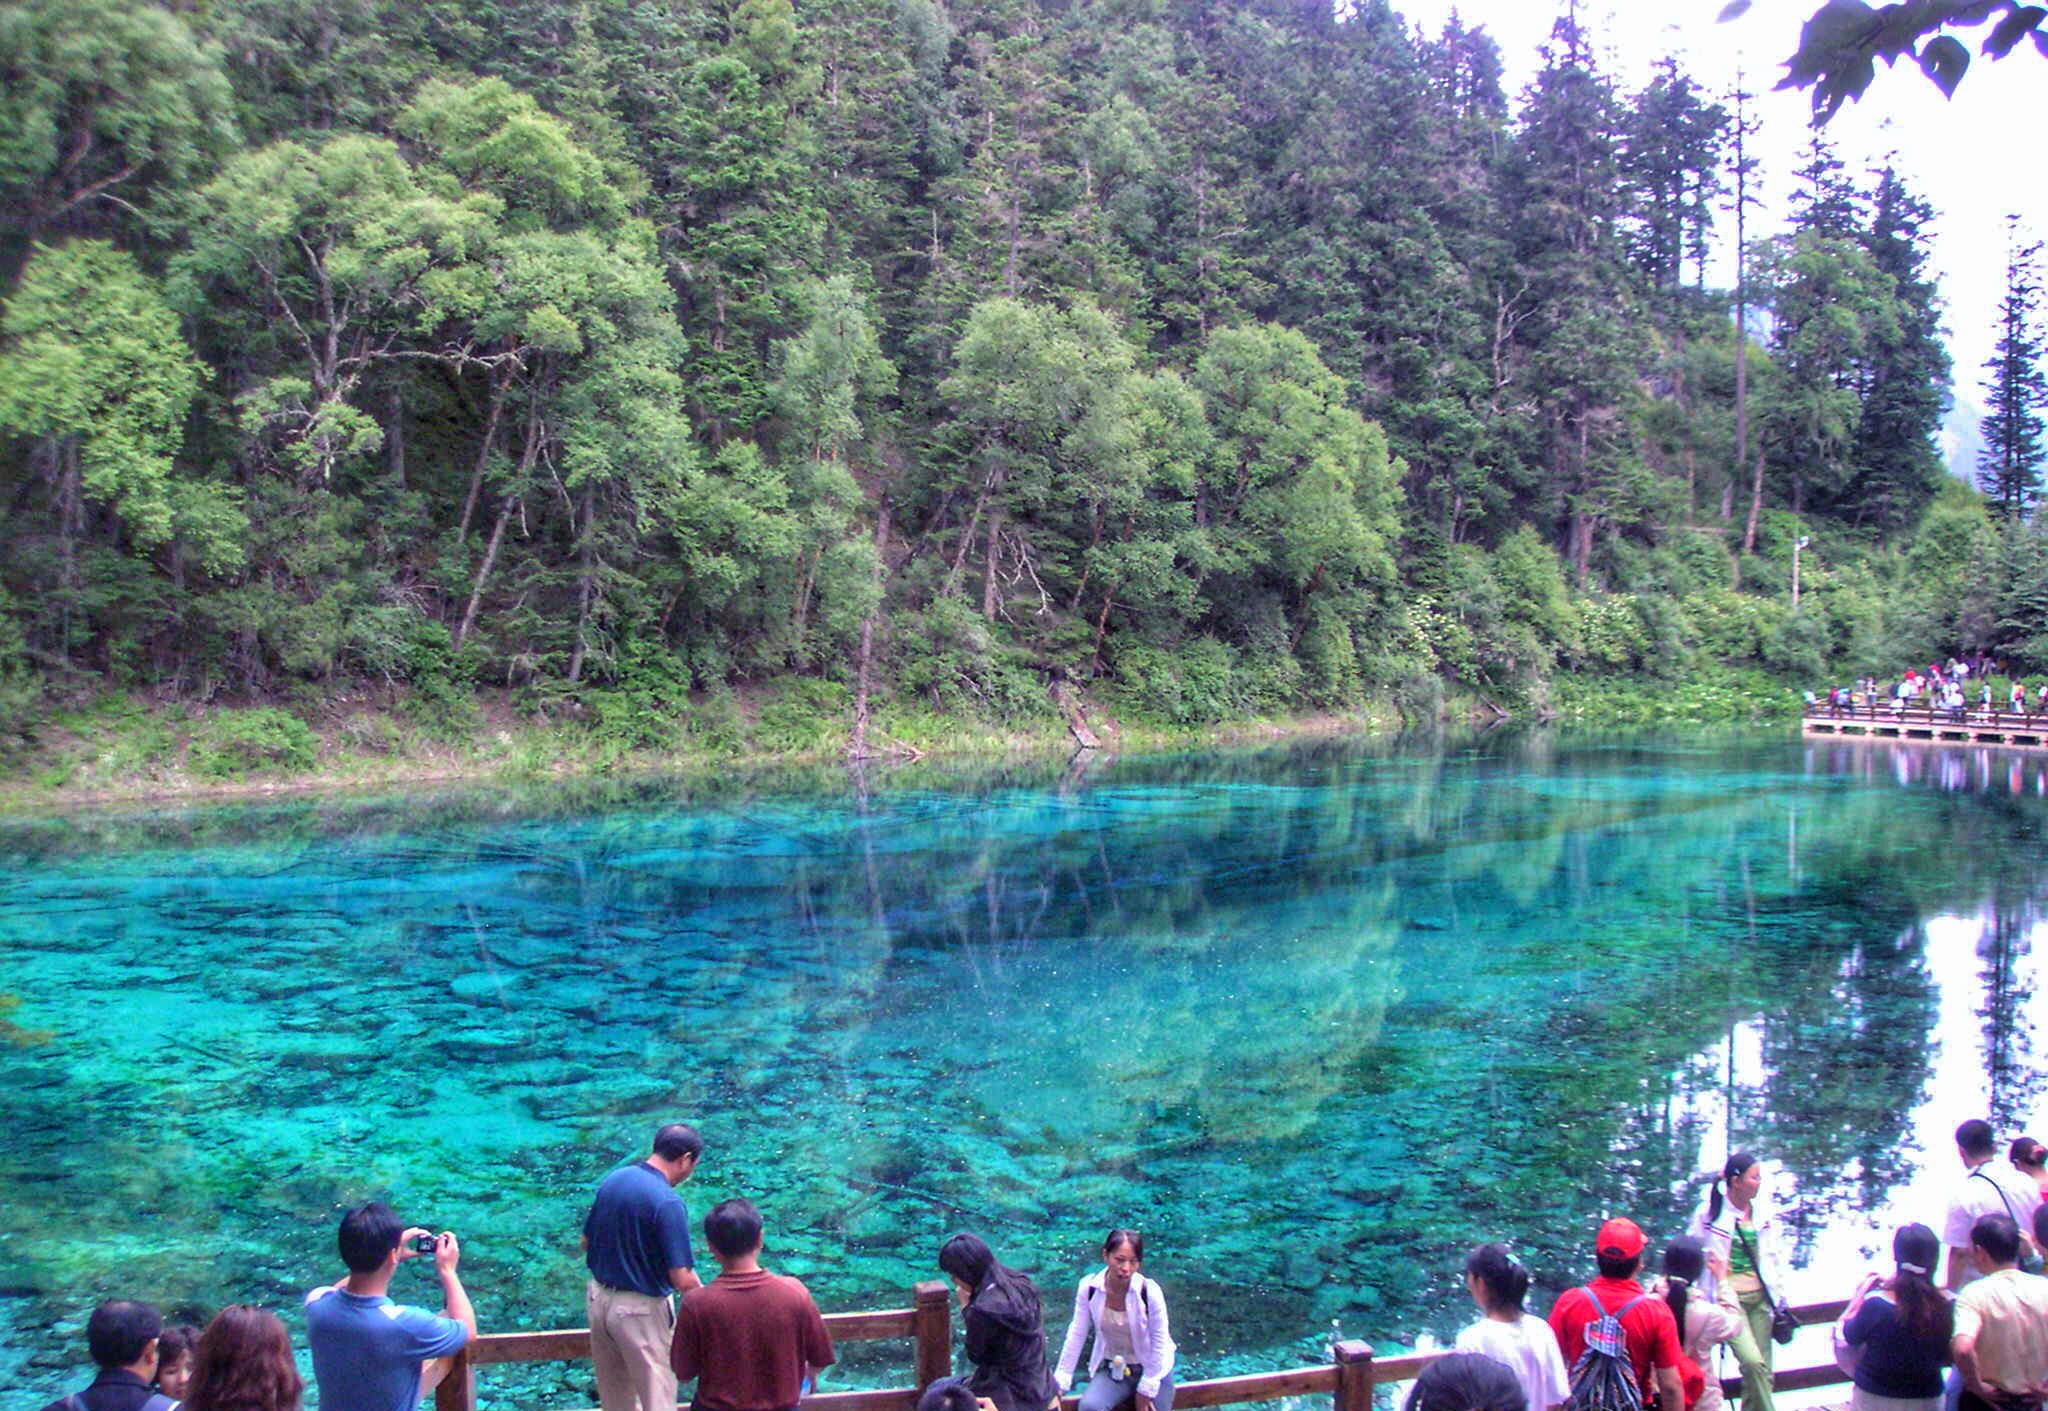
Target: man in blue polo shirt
[(636, 1241), (370, 1354)]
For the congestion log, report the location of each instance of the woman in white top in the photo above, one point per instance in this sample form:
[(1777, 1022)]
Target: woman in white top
[(1132, 1359), (1704, 1322), (1525, 1346), (1740, 1231)]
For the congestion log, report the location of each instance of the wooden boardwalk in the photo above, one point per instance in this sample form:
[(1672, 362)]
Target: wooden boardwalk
[(2016, 729)]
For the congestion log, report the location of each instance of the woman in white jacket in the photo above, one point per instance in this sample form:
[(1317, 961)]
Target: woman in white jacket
[(1740, 1231), (1132, 1359)]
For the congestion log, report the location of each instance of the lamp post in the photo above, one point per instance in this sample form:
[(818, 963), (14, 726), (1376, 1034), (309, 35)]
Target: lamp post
[(1797, 544)]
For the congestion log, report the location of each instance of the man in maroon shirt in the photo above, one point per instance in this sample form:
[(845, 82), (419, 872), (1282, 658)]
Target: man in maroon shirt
[(749, 1337), (1653, 1344)]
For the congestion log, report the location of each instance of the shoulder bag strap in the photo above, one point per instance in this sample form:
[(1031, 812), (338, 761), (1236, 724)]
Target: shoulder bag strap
[(1979, 1174), (1756, 1264)]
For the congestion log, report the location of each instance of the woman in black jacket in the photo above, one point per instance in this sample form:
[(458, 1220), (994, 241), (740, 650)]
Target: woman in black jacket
[(1005, 1327)]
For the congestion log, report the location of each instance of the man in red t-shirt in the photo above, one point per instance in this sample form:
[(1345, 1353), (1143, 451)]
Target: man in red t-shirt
[(1653, 1344), (749, 1337)]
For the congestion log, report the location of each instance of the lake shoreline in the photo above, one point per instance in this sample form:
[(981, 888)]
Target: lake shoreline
[(121, 751), (539, 756)]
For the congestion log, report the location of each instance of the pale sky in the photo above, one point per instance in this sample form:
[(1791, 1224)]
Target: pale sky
[(1972, 158)]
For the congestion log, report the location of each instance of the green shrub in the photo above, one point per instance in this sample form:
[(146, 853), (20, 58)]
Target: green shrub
[(804, 715), (646, 705), (234, 744), (1194, 683)]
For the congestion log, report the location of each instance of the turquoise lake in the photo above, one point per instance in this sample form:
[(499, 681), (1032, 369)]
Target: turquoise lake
[(1315, 1019)]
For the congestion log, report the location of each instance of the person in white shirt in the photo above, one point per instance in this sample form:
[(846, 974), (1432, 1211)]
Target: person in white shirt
[(1131, 1363), (1986, 1188), (1525, 1346)]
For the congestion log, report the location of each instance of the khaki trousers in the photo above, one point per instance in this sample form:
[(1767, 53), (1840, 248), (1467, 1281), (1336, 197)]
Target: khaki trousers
[(629, 1338)]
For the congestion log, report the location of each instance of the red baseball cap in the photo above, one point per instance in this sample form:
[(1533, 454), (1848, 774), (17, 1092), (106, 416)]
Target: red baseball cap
[(1619, 1238)]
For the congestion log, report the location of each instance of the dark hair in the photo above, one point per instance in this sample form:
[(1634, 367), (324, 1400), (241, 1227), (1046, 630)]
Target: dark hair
[(1122, 1236), (1923, 1308), (1466, 1381), (368, 1235), (733, 1228), (2026, 1151), (948, 1394), (1685, 1259), (1501, 1274), (1974, 1137), (244, 1363), (2040, 1227), (1734, 1166), (967, 1258), (1998, 1236), (174, 1344), (119, 1330), (1613, 1268), (677, 1140)]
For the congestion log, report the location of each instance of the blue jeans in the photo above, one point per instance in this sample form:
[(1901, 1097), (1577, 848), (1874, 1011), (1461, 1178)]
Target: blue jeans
[(1106, 1393)]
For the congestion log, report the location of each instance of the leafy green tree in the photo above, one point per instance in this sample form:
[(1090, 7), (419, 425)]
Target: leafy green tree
[(107, 105), (327, 259), (94, 375), (2015, 387), (1298, 507), (831, 380)]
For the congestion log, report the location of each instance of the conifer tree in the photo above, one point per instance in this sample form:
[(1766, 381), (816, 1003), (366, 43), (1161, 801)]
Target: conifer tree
[(2015, 386), (1906, 372)]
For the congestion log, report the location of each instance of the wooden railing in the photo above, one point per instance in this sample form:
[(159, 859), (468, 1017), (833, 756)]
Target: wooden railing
[(1922, 709), (928, 1322), (1350, 1379)]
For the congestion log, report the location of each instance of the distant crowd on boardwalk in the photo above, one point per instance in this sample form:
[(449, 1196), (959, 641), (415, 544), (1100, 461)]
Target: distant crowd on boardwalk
[(1943, 688), (1959, 1324)]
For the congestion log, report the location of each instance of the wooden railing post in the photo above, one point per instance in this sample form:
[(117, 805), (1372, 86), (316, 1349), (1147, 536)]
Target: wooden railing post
[(1354, 1376), (933, 1321), (457, 1390)]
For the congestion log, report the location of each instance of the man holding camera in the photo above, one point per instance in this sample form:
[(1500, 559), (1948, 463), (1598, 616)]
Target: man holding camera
[(370, 1354)]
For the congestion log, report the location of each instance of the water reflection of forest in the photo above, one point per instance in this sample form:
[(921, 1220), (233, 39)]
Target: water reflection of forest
[(1389, 1002)]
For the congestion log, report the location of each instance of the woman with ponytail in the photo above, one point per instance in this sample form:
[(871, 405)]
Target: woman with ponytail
[(1898, 1329), (1740, 1232), (1525, 1346), (1705, 1321)]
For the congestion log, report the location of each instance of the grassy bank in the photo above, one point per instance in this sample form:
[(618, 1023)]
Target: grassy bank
[(122, 747)]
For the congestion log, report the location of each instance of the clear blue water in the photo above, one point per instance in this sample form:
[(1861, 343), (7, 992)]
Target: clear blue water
[(1315, 1019)]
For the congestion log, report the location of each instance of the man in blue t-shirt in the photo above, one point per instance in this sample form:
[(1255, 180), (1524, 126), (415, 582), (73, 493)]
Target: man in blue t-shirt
[(636, 1242), (370, 1354)]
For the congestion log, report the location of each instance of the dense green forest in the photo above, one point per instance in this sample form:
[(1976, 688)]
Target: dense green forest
[(629, 362)]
